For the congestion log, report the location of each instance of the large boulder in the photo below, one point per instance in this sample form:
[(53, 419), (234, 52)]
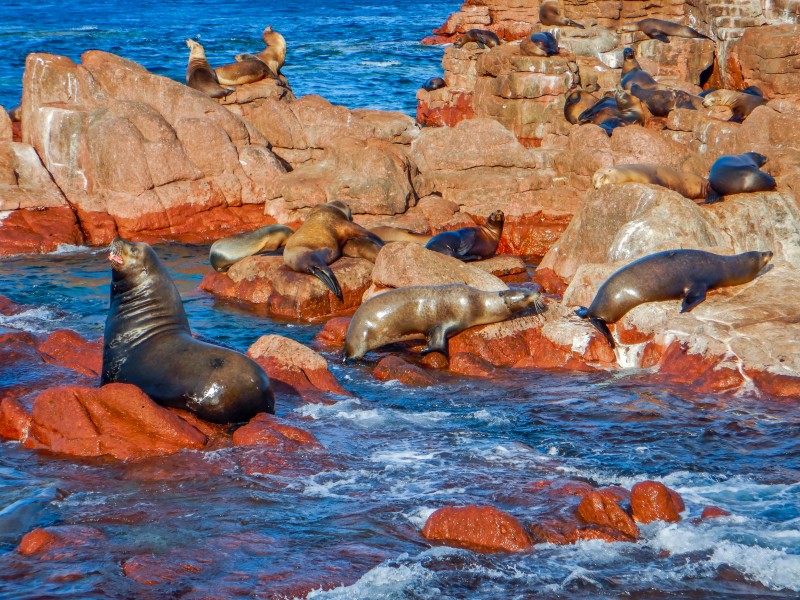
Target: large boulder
[(480, 528)]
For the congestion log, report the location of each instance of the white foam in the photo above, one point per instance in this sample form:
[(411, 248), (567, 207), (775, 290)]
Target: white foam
[(377, 63), (404, 457), (419, 516), (325, 485), (35, 320), (69, 249), (772, 568)]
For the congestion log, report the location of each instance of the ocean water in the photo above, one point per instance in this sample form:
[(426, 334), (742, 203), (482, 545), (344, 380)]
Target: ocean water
[(361, 53)]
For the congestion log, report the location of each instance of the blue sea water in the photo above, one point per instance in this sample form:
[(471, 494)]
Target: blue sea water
[(361, 53)]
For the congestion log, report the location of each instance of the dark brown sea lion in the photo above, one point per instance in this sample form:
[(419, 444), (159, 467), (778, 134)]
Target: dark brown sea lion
[(686, 184), (550, 14), (740, 103), (539, 44), (606, 108), (632, 110), (669, 275), (247, 69), (576, 103), (661, 102), (318, 242), (660, 30), (148, 343), (434, 83), (199, 74), (435, 312), (482, 37), (470, 243), (739, 174), (226, 252), (396, 234), (632, 73)]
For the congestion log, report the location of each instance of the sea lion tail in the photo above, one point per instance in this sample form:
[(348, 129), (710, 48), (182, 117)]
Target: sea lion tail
[(326, 276)]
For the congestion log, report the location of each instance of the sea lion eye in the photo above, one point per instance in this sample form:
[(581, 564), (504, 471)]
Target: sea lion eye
[(134, 250)]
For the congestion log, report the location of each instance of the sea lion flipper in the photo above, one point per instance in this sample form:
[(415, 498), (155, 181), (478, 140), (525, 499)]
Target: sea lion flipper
[(326, 276), (694, 296), (481, 45), (575, 24), (437, 341), (603, 328), (660, 36)]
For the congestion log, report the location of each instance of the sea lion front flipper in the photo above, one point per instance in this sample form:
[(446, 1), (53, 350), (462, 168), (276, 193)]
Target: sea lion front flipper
[(437, 341), (694, 296), (660, 36), (603, 328), (326, 276), (481, 45)]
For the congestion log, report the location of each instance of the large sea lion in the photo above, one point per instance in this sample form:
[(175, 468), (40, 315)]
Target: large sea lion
[(539, 44), (397, 234), (436, 312), (248, 68), (470, 243), (686, 184), (226, 252), (148, 343), (739, 174), (632, 73), (274, 55), (669, 275), (658, 29), (434, 83), (550, 14), (740, 103), (482, 37), (199, 74), (576, 103), (318, 242)]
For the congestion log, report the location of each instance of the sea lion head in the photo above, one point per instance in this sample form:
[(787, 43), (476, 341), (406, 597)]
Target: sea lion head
[(342, 206), (628, 53), (719, 98), (196, 49), (130, 260), (759, 159), (603, 177), (497, 218), (574, 97), (757, 260), (517, 300)]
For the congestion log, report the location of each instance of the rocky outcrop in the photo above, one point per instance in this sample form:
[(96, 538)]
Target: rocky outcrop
[(480, 528)]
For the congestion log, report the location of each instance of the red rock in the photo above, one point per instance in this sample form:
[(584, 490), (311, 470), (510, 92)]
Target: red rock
[(332, 334), (602, 509), (775, 385), (471, 365), (58, 543), (435, 360), (714, 512), (69, 349), (394, 367), (149, 569), (294, 368), (117, 420), (501, 344), (266, 430), (550, 282), (653, 501), (479, 528), (37, 231), (444, 110), (14, 420), (678, 365)]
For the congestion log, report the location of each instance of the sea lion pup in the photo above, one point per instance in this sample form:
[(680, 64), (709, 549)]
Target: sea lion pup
[(632, 73), (318, 242), (669, 275), (436, 312), (539, 44), (482, 37), (397, 234), (740, 103), (739, 174), (248, 68), (434, 83), (148, 343), (226, 252), (576, 103), (199, 74), (470, 243), (550, 14), (660, 30), (686, 184)]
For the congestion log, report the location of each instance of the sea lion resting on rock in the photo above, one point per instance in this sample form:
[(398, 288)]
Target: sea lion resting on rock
[(226, 252), (318, 242), (658, 29), (436, 312), (739, 174), (632, 111), (470, 243), (148, 343), (576, 103), (661, 102), (669, 275), (632, 73), (605, 108), (434, 83), (740, 103), (550, 14), (274, 55), (248, 68), (482, 37), (686, 184), (199, 74), (539, 44), (397, 234)]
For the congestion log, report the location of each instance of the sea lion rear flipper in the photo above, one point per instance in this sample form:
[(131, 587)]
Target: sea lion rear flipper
[(481, 45), (694, 296), (575, 24), (326, 276), (660, 36), (437, 341), (603, 328), (713, 196)]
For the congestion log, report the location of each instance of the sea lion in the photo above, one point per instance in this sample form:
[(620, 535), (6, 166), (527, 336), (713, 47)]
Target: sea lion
[(661, 102), (658, 29), (539, 44), (576, 103), (470, 243), (274, 55), (318, 242), (436, 312), (248, 68), (754, 90), (740, 103), (632, 110), (550, 14), (606, 108), (632, 73), (365, 248), (686, 184), (396, 234), (226, 252), (739, 174), (148, 343), (199, 74), (434, 83), (482, 37), (669, 275)]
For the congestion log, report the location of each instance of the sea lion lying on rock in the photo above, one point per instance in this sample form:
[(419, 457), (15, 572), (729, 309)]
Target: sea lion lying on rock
[(539, 44), (397, 234), (226, 252), (199, 74), (739, 174), (686, 184), (669, 275), (470, 243), (660, 30), (740, 103), (482, 37), (248, 68), (434, 83), (550, 14), (576, 103)]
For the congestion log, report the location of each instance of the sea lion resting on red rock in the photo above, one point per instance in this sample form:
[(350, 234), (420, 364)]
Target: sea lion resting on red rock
[(550, 14), (669, 275), (228, 251), (200, 75), (470, 243), (739, 174), (659, 29), (740, 103), (482, 37), (148, 343)]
